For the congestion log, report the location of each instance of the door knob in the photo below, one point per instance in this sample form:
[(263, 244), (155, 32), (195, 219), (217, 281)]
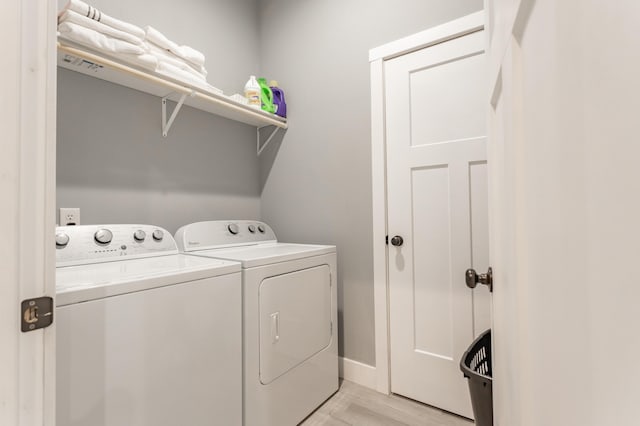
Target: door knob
[(472, 278), (397, 241)]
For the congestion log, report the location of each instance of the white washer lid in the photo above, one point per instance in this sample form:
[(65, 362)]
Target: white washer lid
[(266, 253), (81, 283)]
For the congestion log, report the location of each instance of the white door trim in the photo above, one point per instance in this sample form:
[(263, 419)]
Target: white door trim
[(377, 56), (453, 29), (27, 190)]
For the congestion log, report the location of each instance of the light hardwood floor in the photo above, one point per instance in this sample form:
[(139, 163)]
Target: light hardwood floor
[(357, 405)]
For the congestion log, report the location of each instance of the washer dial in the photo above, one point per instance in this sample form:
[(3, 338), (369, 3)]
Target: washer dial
[(139, 235), (103, 236), (62, 239)]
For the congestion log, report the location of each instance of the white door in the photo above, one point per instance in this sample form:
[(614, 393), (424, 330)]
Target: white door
[(437, 202), (27, 194)]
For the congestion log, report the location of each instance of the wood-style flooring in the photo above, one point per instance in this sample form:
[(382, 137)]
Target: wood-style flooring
[(356, 405)]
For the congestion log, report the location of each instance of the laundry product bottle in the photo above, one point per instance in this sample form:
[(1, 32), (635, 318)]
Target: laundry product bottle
[(252, 92), (266, 96), (278, 99)]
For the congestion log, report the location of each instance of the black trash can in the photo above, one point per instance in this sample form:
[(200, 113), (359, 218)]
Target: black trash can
[(476, 366)]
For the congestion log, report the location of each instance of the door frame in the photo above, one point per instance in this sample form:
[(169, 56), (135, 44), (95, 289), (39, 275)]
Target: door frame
[(377, 56), (27, 190)]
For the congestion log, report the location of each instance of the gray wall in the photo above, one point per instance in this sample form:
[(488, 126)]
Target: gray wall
[(113, 162), (317, 181)]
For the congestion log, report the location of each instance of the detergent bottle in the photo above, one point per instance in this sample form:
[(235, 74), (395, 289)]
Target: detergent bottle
[(278, 99), (266, 96), (252, 92)]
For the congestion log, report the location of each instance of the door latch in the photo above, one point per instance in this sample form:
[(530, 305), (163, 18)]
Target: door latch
[(472, 278), (37, 313)]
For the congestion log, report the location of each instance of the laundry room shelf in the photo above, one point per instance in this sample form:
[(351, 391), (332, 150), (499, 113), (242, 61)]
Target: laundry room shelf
[(84, 61)]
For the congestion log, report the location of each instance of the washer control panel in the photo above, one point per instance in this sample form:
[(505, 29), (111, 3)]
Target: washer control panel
[(77, 245), (223, 233)]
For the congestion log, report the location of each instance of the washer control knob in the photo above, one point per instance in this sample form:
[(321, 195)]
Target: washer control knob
[(62, 239), (252, 229), (261, 229), (233, 228), (158, 235), (103, 236), (139, 235)]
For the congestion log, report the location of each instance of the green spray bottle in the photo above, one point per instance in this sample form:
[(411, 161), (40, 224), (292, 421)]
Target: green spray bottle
[(266, 96)]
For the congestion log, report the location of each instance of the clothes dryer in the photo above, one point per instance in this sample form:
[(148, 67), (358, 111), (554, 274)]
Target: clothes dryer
[(145, 335), (290, 355)]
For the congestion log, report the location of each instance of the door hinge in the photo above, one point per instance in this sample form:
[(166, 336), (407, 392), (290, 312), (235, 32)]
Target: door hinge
[(331, 328), (36, 313), (386, 239)]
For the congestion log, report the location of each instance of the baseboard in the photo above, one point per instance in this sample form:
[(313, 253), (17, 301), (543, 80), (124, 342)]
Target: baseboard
[(357, 372)]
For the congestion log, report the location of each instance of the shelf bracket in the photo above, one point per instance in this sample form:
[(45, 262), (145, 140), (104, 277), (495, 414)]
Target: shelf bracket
[(166, 125), (260, 148)]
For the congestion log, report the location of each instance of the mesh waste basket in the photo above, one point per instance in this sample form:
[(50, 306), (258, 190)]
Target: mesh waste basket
[(476, 366)]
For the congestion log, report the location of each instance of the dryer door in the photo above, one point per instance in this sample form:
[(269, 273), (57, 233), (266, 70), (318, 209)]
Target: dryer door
[(295, 319)]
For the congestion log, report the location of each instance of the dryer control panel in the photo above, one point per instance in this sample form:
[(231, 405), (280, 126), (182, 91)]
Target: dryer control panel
[(223, 233), (78, 245)]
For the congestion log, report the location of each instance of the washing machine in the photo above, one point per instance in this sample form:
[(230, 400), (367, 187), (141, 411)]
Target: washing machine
[(290, 355), (145, 335)]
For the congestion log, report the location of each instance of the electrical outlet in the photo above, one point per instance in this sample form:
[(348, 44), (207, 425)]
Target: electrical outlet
[(69, 216)]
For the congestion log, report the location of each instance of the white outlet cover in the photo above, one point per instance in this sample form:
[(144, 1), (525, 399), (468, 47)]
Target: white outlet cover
[(69, 216)]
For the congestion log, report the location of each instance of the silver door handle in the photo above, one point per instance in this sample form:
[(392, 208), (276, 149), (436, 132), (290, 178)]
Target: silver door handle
[(472, 278)]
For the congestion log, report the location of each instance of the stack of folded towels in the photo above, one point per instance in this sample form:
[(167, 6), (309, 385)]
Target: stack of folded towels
[(147, 48)]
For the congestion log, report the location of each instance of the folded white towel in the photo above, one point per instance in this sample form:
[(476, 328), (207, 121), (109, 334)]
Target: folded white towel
[(239, 98), (167, 56), (155, 36), (192, 55), (96, 40), (170, 70), (76, 18), (92, 13), (185, 52), (145, 61)]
